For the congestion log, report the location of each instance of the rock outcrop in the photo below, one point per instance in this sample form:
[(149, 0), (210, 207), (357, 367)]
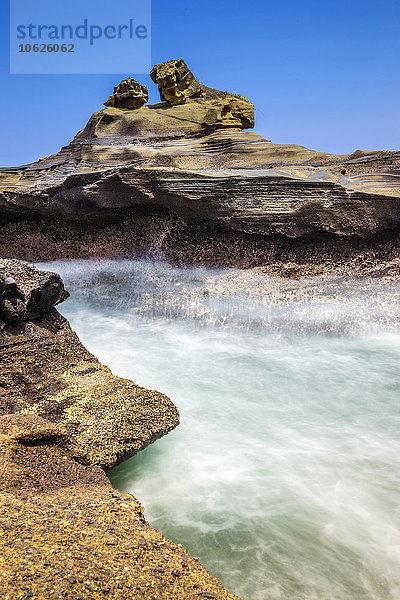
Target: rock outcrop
[(193, 162), (176, 83), (64, 530), (128, 94), (27, 293), (47, 372)]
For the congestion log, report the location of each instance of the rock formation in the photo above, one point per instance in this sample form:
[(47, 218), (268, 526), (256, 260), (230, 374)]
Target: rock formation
[(47, 372), (192, 166), (176, 83), (64, 530), (128, 94), (32, 296)]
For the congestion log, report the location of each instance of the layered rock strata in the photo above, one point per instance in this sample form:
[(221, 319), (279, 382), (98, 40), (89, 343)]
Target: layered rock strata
[(193, 163), (65, 532)]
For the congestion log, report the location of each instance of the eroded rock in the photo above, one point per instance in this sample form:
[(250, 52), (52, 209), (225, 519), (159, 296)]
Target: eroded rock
[(194, 163), (63, 416), (66, 532), (176, 83), (27, 293), (128, 94), (48, 373), (31, 429)]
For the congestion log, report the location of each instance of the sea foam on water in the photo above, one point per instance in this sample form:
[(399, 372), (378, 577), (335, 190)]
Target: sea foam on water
[(283, 476)]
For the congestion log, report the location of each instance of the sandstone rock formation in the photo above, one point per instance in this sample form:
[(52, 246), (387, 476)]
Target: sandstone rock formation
[(176, 83), (128, 94), (193, 164)]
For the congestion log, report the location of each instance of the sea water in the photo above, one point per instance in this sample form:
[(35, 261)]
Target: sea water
[(284, 474)]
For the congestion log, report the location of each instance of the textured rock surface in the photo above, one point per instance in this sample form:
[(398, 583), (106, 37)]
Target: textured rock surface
[(46, 371), (27, 293), (176, 83), (238, 180), (193, 163), (158, 122), (128, 94), (66, 533)]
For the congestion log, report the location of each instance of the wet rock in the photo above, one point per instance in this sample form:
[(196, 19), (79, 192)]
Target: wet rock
[(26, 293), (128, 94), (11, 288), (176, 83), (70, 396), (13, 310)]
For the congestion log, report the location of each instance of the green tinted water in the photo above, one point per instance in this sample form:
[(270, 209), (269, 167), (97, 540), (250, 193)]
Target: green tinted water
[(284, 474)]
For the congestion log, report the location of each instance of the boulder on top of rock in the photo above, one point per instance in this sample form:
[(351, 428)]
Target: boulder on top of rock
[(128, 94), (176, 83)]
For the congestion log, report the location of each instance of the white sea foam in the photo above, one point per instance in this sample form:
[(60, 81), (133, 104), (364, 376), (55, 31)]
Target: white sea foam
[(284, 474)]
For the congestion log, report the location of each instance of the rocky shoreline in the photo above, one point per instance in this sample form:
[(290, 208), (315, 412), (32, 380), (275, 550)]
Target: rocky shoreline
[(178, 177), (161, 236), (183, 180), (138, 179), (64, 418)]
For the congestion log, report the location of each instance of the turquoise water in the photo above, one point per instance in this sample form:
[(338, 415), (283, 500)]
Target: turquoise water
[(284, 475)]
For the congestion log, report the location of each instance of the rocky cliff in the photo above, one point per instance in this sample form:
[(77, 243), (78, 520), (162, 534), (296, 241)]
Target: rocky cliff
[(187, 163), (65, 532)]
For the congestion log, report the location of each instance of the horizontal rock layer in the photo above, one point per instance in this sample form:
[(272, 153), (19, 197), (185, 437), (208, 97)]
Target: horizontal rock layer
[(187, 160)]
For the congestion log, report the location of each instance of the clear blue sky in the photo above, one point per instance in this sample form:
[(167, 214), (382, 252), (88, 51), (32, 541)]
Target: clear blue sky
[(324, 74)]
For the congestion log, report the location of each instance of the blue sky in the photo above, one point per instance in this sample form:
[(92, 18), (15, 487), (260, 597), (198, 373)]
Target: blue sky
[(322, 74)]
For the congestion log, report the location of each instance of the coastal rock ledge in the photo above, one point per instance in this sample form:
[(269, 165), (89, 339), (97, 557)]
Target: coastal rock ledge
[(186, 178), (65, 532)]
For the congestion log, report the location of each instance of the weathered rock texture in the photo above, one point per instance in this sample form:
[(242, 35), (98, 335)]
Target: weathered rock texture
[(64, 531), (128, 94), (46, 371), (235, 179), (176, 83), (194, 164), (26, 293)]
